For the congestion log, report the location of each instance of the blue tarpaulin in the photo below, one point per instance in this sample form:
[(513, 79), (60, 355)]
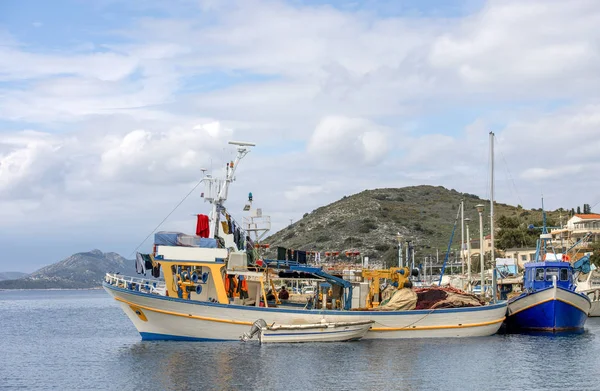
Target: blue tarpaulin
[(164, 238)]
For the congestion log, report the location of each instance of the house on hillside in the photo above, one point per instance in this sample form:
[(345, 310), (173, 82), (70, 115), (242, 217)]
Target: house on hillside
[(521, 255), (475, 248), (487, 245), (576, 229)]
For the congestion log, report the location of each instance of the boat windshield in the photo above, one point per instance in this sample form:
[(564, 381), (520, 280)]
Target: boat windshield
[(551, 271), (564, 274), (539, 274)]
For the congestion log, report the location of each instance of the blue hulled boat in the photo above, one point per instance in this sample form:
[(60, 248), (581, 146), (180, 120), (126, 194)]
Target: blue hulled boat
[(549, 301)]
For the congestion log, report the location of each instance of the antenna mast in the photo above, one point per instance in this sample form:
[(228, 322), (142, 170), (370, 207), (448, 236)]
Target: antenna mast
[(217, 187)]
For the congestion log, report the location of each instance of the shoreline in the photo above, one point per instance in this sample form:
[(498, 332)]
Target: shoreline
[(51, 289)]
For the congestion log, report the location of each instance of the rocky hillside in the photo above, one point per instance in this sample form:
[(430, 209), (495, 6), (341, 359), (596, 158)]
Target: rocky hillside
[(370, 221), (81, 270)]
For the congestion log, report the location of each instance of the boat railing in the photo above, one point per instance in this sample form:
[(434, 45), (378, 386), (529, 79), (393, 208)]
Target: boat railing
[(143, 285)]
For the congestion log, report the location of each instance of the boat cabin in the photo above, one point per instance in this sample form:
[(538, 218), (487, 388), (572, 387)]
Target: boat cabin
[(540, 275)]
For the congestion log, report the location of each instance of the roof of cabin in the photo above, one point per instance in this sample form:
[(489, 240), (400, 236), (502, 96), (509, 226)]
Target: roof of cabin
[(547, 264)]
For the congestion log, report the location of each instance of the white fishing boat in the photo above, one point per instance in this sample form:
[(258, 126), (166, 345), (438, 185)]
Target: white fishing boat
[(313, 332), (214, 289), (589, 285)]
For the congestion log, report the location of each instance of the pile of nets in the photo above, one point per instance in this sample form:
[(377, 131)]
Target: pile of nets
[(445, 297)]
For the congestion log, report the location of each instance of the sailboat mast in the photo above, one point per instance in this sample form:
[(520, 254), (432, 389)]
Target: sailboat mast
[(462, 236), (493, 259)]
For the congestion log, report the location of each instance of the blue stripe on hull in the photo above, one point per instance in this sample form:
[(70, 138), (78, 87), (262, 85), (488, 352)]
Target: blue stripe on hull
[(169, 337), (552, 315)]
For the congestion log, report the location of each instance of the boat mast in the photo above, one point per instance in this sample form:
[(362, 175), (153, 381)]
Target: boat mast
[(493, 259), (544, 228), (218, 201), (462, 236)]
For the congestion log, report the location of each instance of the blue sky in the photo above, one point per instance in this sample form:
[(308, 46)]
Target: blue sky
[(108, 109)]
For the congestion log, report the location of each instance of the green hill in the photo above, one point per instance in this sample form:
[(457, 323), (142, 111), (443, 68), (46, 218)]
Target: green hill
[(370, 221)]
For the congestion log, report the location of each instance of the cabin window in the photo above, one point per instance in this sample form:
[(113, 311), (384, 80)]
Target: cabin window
[(564, 274), (551, 271), (539, 274)]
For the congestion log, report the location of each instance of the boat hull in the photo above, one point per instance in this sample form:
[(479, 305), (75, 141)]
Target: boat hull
[(594, 296), (333, 334), (166, 318), (551, 309), (595, 309)]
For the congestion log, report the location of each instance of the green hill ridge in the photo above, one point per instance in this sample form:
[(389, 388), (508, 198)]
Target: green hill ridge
[(370, 221)]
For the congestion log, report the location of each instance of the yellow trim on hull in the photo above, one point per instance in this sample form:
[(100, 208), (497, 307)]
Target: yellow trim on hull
[(460, 326), (532, 305), (183, 315)]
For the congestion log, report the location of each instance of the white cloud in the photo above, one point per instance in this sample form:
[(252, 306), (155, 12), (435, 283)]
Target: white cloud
[(175, 155), (352, 141), (19, 64), (516, 42), (24, 160)]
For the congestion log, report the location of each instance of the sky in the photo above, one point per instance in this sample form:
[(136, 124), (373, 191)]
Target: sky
[(109, 109)]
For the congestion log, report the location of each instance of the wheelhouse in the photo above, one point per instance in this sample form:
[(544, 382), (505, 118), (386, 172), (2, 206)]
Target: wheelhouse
[(539, 275)]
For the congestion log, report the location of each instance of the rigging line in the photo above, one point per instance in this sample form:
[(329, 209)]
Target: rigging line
[(170, 213), (509, 173), (593, 206), (510, 177)]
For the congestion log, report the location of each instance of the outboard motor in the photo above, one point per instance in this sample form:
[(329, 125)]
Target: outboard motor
[(256, 326)]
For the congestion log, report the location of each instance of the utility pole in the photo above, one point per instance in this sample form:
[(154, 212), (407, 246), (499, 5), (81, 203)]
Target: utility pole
[(400, 261), (469, 289), (480, 211)]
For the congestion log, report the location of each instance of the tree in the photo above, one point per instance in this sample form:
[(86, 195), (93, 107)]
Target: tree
[(578, 210), (507, 222), (595, 258), (587, 209), (513, 233)]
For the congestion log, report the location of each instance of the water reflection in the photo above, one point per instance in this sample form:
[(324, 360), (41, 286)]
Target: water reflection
[(82, 343)]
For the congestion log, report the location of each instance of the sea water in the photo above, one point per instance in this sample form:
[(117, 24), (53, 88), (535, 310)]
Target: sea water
[(81, 340)]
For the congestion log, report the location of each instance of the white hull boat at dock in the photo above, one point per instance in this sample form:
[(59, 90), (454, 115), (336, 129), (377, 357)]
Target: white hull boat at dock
[(159, 317)]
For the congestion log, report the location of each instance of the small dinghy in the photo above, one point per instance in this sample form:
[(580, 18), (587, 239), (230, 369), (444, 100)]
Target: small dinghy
[(315, 332)]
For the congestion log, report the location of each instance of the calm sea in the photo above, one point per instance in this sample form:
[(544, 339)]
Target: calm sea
[(80, 340)]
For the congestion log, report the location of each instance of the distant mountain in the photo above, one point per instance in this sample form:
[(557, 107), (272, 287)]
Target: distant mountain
[(11, 275), (81, 270)]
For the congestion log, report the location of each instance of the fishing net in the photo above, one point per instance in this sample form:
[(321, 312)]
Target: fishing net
[(447, 297)]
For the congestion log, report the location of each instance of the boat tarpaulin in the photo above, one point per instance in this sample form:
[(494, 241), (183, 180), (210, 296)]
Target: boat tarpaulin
[(402, 299), (164, 238)]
